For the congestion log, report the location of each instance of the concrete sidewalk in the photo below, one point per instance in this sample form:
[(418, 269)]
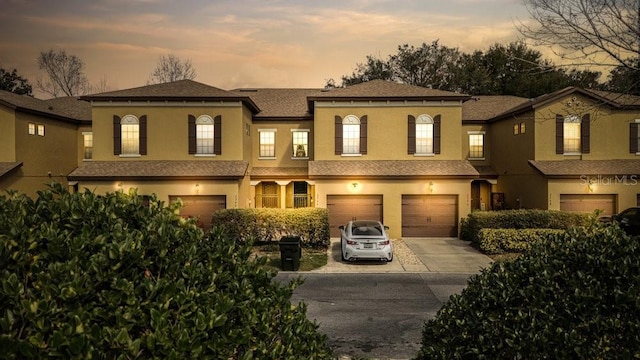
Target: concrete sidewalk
[(417, 255)]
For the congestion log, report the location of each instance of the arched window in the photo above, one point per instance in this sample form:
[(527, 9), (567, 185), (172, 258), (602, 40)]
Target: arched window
[(424, 134), (130, 135), (572, 134), (204, 134), (351, 135)]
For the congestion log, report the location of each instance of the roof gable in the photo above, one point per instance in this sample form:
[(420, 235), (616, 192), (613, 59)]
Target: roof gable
[(64, 109), (280, 103)]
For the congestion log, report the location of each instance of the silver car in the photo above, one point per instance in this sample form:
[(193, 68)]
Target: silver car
[(365, 240)]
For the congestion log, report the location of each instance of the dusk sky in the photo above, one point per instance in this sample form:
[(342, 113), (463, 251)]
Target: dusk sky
[(238, 43)]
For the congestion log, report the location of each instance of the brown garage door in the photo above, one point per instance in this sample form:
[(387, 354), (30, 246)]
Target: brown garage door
[(588, 203), (343, 208), (200, 207), (429, 215)]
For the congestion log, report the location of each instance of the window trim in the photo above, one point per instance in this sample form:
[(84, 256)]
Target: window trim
[(129, 120), (634, 126), (84, 147), (351, 121), (31, 128), (572, 119), (483, 133), (209, 121), (268, 157), (40, 131), (293, 151)]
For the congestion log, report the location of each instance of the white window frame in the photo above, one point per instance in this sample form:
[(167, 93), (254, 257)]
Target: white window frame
[(472, 135), (40, 128), (424, 135), (300, 137), (31, 128), (205, 135), (129, 144), (87, 137), (267, 144), (351, 135), (571, 135)]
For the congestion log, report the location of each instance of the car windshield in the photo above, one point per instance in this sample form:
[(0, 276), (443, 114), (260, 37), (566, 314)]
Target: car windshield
[(370, 230)]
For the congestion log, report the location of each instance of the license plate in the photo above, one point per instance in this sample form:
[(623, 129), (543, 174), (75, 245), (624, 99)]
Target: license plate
[(368, 246)]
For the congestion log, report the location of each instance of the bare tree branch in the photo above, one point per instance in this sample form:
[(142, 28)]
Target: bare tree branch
[(171, 68), (596, 32), (65, 74)]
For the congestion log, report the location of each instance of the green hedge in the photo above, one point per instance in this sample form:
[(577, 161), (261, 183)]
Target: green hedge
[(573, 296), (104, 277), (265, 225), (499, 241), (521, 219)]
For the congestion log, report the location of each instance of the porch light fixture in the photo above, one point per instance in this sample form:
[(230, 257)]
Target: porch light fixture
[(430, 187), (197, 188), (354, 186)]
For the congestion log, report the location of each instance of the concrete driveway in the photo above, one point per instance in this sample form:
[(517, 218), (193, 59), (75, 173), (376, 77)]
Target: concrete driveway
[(437, 255)]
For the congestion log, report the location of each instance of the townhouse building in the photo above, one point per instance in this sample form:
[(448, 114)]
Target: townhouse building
[(417, 159), (40, 141)]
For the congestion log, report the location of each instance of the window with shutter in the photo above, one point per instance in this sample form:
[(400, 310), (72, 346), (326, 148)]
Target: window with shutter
[(634, 137)]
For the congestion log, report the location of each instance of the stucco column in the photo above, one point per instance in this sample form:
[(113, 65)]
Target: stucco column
[(283, 193)]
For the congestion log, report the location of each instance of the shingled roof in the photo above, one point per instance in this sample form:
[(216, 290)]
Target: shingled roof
[(64, 109), (386, 90), (572, 169), (174, 91), (159, 170), (278, 104), (483, 108), (7, 167), (391, 168), (279, 172)]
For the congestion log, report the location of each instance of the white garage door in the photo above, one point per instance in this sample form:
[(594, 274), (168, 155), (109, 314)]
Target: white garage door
[(343, 208)]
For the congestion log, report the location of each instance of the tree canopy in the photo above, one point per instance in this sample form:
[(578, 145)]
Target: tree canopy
[(65, 74), (12, 82), (513, 69)]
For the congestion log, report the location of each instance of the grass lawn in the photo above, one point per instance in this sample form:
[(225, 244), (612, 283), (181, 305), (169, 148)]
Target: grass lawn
[(311, 258)]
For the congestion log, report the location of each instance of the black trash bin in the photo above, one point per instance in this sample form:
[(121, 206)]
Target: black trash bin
[(290, 253)]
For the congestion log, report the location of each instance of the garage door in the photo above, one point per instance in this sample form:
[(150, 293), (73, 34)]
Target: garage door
[(429, 215), (201, 207), (588, 203), (343, 208)]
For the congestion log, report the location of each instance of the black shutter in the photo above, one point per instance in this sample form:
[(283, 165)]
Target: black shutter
[(585, 134), (633, 137), (143, 135), (117, 136), (436, 134), (192, 134), (559, 134), (217, 135), (338, 135), (411, 139), (363, 135)]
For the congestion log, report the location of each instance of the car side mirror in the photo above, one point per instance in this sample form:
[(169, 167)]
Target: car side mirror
[(386, 227), (341, 227)]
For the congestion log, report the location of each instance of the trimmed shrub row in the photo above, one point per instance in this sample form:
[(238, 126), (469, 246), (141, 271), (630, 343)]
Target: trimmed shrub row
[(84, 276), (499, 241), (571, 296), (265, 225), (520, 219)]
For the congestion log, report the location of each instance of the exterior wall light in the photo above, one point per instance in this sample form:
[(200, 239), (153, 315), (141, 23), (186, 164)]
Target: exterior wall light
[(430, 187)]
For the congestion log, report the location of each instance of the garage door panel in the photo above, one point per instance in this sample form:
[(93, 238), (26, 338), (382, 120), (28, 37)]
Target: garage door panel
[(429, 215), (588, 203), (201, 207), (343, 208)]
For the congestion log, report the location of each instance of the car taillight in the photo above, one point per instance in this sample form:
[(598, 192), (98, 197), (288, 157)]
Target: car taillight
[(386, 242), (350, 242)]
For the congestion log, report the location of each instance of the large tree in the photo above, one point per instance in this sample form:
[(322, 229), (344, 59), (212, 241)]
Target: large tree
[(430, 65), (587, 32), (11, 81), (625, 80), (65, 74), (171, 68)]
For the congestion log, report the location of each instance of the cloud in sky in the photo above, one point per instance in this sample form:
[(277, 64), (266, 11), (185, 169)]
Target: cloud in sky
[(231, 43)]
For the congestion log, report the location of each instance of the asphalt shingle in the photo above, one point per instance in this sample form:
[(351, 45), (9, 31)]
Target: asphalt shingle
[(569, 168), (161, 169), (390, 168)]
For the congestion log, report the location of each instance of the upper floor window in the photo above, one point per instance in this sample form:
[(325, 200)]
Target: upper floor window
[(351, 135), (130, 135), (40, 130), (423, 135), (476, 145), (87, 144), (634, 137), (32, 129), (573, 134), (205, 135), (267, 143), (130, 130), (300, 143)]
